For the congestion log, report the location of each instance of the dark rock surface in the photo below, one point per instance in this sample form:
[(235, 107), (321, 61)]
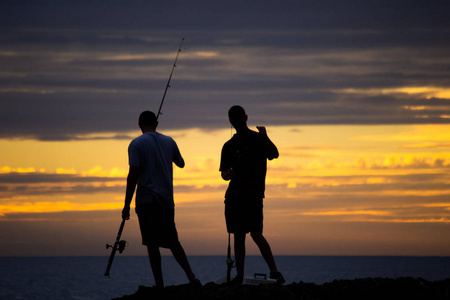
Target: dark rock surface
[(361, 289)]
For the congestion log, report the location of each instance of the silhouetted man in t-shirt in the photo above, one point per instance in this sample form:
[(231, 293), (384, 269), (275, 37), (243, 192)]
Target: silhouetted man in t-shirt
[(244, 164), (151, 156)]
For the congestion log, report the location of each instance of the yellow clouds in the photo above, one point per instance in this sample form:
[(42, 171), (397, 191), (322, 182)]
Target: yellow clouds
[(420, 212), (99, 172), (140, 56), (155, 56), (206, 54), (398, 135), (367, 216), (7, 169), (347, 213), (347, 150), (79, 155), (316, 163), (87, 170), (421, 91), (428, 92), (376, 174), (428, 103), (25, 190), (201, 151), (93, 172), (65, 171), (55, 206)]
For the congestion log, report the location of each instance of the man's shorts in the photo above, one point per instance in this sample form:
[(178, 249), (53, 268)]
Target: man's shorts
[(157, 226), (244, 215)]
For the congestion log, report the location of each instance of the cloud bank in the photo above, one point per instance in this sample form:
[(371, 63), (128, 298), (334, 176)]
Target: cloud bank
[(73, 69)]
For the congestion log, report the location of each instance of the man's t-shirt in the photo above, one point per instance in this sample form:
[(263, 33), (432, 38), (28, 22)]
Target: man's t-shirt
[(154, 153), (246, 154)]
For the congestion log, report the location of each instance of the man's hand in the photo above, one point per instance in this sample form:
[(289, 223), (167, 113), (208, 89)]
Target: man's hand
[(271, 149), (227, 175), (261, 129), (126, 213)]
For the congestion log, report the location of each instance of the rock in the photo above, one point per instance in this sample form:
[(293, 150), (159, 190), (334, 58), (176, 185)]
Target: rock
[(367, 289)]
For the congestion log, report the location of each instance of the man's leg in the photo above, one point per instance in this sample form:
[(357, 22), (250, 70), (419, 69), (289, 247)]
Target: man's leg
[(155, 262), (181, 258), (239, 253), (266, 252)]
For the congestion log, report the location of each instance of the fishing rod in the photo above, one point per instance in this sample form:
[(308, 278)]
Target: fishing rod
[(170, 77), (118, 245)]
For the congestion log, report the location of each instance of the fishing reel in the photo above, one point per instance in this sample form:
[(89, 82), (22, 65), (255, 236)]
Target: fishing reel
[(230, 263), (121, 246)]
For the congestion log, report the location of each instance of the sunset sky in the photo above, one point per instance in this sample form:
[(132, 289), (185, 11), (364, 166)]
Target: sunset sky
[(355, 94)]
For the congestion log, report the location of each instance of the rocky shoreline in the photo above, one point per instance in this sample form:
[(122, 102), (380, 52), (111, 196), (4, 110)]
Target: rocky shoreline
[(406, 288)]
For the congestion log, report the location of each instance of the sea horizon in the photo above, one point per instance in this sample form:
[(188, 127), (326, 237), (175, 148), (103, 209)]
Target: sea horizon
[(82, 277), (254, 255)]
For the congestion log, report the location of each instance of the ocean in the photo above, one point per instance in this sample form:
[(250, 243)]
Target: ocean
[(39, 278)]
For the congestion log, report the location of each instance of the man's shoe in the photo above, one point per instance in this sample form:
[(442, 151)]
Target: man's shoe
[(237, 280), (195, 283), (278, 277)]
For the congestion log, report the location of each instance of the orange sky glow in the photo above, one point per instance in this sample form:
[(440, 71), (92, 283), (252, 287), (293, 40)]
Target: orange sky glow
[(334, 190)]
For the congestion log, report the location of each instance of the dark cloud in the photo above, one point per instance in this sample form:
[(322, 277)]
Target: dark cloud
[(23, 184), (178, 14), (76, 68), (31, 184)]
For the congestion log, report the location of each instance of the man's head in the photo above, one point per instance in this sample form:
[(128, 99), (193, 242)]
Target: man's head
[(237, 117), (147, 119)]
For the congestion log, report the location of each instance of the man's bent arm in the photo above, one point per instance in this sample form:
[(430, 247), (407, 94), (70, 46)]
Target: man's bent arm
[(177, 158), (228, 174), (180, 163), (132, 178), (271, 149)]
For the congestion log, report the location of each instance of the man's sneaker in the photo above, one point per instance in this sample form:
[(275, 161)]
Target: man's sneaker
[(237, 280), (195, 283), (278, 277)]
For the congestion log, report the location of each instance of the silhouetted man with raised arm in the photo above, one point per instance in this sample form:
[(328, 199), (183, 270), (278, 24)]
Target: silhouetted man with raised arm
[(150, 159), (244, 164)]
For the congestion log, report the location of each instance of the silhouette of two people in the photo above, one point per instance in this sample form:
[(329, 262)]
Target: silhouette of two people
[(243, 162)]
